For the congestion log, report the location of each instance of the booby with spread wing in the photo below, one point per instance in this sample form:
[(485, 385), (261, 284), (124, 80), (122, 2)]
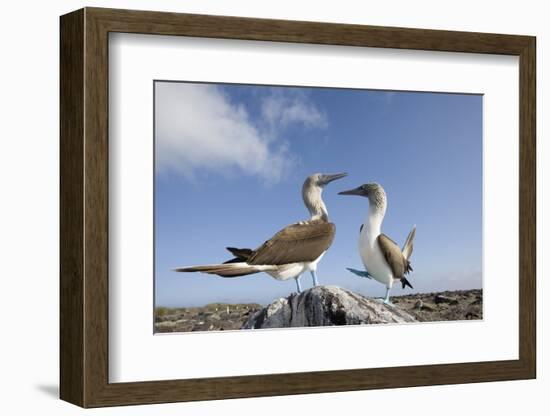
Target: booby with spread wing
[(292, 251), (384, 261)]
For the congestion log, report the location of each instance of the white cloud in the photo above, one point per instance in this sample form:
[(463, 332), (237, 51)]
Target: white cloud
[(199, 128), (281, 109)]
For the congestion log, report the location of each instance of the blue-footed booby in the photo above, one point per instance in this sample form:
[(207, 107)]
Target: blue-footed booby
[(384, 261), (293, 250)]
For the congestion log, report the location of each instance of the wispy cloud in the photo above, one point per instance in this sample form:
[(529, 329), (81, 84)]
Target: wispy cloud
[(279, 109), (199, 128)]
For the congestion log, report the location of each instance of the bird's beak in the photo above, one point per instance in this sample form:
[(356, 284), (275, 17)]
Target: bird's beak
[(328, 178), (356, 191)]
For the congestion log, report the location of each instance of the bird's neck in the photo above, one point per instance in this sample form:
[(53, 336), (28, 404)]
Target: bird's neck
[(314, 203), (373, 222)]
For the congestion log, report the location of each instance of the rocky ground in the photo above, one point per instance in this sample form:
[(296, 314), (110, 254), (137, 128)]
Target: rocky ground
[(212, 317), (457, 305), (330, 302)]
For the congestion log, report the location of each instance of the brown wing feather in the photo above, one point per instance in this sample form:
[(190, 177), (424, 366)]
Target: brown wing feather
[(394, 257), (295, 243)]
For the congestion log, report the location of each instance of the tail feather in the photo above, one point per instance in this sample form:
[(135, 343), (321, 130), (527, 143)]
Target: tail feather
[(405, 282), (233, 269), (233, 260), (408, 246), (241, 253)]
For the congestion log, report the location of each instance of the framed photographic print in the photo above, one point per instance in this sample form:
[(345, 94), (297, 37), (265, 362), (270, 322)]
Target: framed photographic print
[(255, 207)]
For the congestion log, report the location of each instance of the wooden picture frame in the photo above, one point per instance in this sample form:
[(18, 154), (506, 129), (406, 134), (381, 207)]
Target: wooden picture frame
[(84, 207)]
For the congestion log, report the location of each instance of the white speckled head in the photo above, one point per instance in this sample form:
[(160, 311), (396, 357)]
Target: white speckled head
[(312, 190), (373, 191)]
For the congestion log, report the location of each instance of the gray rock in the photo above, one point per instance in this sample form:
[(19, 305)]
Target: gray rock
[(445, 299), (326, 306), (166, 324), (428, 308)]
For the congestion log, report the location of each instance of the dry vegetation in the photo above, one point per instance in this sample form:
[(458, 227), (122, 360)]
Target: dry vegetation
[(212, 317)]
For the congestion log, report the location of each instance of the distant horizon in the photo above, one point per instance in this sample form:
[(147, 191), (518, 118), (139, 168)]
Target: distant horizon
[(250, 303), (230, 160)]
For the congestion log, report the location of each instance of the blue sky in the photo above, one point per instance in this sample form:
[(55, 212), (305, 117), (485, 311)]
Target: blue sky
[(231, 160)]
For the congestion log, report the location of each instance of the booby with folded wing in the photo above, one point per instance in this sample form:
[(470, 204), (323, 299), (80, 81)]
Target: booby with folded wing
[(384, 261), (292, 251)]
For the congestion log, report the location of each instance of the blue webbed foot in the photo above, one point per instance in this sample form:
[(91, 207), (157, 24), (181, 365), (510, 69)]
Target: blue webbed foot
[(388, 302), (387, 298), (359, 273)]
